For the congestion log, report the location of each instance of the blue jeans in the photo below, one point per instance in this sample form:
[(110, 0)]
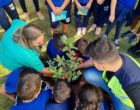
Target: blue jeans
[(101, 12), (78, 17), (94, 76), (22, 3), (118, 24), (11, 11)]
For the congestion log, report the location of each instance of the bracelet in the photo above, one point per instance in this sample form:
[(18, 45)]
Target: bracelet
[(90, 1)]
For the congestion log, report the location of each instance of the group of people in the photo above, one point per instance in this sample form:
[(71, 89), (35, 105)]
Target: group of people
[(115, 72), (111, 12)]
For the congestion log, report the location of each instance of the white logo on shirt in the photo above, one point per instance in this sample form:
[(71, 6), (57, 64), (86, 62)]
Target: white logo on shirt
[(68, 19), (106, 8), (11, 6)]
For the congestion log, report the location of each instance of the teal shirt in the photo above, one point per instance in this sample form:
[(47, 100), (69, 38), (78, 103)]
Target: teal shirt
[(14, 56)]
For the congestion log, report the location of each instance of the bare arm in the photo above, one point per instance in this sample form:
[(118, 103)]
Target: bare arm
[(66, 2), (78, 5), (112, 10), (59, 9), (51, 4), (89, 4), (46, 72), (87, 64)]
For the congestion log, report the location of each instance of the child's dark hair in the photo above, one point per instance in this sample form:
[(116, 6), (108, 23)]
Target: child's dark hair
[(90, 97), (61, 90), (28, 86), (81, 44), (57, 40), (26, 71), (102, 51)]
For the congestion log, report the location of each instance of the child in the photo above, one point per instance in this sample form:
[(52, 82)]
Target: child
[(90, 98), (81, 44), (124, 12), (12, 80), (62, 97), (28, 89), (36, 4), (55, 47), (9, 7), (101, 14), (11, 84), (57, 6), (133, 25), (79, 5)]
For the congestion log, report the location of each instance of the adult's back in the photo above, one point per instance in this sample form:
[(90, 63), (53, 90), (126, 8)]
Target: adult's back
[(14, 55)]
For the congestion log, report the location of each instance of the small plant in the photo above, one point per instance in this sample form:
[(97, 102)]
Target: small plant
[(68, 71)]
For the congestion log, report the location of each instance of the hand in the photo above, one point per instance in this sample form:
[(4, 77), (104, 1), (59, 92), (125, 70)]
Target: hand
[(112, 18), (79, 6), (88, 6), (57, 11), (54, 10)]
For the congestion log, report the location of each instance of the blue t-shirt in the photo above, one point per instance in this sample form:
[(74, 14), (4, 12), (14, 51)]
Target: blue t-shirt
[(36, 104), (129, 73), (83, 1), (58, 3), (4, 2), (66, 105), (84, 57), (13, 55), (128, 3), (11, 81), (53, 51)]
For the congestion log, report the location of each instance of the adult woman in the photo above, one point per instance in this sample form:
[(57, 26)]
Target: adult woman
[(19, 47)]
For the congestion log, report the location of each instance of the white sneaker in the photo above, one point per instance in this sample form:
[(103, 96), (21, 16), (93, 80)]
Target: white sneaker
[(117, 43), (104, 36)]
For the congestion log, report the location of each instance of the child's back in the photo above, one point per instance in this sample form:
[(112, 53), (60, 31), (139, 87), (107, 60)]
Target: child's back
[(28, 89), (53, 51), (62, 97)]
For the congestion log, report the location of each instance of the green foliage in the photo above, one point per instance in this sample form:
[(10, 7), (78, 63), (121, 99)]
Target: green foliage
[(66, 67)]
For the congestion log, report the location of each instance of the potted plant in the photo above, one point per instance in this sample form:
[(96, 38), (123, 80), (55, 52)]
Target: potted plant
[(68, 71)]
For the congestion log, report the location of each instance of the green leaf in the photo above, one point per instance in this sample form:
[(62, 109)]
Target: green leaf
[(65, 49), (79, 72), (52, 71), (59, 76), (60, 69), (54, 76), (64, 39), (69, 79), (63, 58), (55, 79), (69, 72), (59, 64), (71, 39), (73, 78), (76, 77), (58, 57)]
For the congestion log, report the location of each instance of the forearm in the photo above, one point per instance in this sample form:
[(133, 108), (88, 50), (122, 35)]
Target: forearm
[(46, 72), (87, 64), (113, 7), (76, 2), (66, 2), (51, 4)]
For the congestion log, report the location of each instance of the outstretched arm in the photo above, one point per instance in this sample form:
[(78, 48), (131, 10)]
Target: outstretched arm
[(46, 72), (87, 64)]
